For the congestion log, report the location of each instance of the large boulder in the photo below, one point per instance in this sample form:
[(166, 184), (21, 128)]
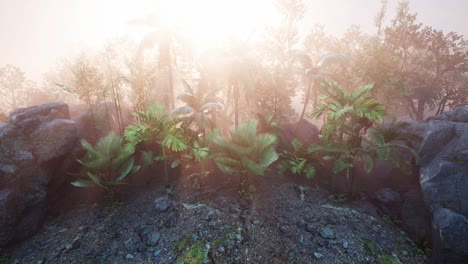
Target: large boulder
[(34, 146), (444, 183), (303, 130)]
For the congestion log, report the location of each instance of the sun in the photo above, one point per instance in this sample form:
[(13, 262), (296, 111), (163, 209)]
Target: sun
[(213, 23)]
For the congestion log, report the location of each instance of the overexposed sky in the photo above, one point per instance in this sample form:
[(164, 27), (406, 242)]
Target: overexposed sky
[(35, 34)]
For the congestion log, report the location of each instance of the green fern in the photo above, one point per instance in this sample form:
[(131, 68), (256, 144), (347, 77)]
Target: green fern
[(106, 164), (156, 126), (300, 159), (246, 152)]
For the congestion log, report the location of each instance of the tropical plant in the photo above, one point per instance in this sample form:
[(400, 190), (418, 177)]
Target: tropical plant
[(268, 123), (246, 152), (106, 164), (299, 160), (201, 107), (202, 150), (349, 115), (14, 88), (156, 126), (314, 73)]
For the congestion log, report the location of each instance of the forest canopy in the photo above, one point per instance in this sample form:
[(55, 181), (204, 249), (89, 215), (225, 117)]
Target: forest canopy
[(262, 63)]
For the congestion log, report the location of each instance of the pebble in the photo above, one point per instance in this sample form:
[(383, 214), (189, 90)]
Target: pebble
[(310, 227), (284, 230), (210, 216), (327, 233), (162, 203), (153, 239), (318, 255), (345, 244), (129, 257), (301, 239)]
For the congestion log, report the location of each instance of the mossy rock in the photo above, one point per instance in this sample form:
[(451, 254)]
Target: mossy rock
[(196, 254)]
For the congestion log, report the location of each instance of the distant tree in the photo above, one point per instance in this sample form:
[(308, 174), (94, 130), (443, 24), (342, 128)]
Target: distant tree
[(14, 88), (429, 63), (202, 105)]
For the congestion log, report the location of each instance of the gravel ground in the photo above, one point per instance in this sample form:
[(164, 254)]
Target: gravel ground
[(284, 223)]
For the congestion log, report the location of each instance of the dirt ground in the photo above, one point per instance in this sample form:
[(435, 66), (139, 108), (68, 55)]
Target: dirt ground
[(284, 222)]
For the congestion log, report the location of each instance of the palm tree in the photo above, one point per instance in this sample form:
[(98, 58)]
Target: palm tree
[(156, 126), (246, 152), (163, 37), (201, 107), (349, 115), (314, 73), (106, 164), (238, 71)]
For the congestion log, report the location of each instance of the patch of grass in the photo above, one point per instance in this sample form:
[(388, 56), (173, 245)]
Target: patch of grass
[(183, 243), (388, 259), (369, 246), (339, 197), (196, 254), (5, 259)]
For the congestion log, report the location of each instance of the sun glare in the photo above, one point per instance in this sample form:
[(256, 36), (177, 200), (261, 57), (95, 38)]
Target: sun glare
[(212, 23)]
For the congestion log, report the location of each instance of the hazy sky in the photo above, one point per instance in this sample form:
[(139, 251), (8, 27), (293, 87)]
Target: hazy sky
[(35, 34)]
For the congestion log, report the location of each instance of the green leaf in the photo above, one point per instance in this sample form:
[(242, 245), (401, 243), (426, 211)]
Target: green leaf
[(83, 183), (126, 170), (368, 163), (175, 163), (228, 165)]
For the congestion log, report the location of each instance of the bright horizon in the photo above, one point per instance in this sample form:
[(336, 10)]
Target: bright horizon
[(37, 34)]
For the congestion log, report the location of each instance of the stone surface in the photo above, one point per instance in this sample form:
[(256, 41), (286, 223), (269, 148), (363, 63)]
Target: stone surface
[(162, 203), (460, 114), (327, 233), (304, 130), (444, 167), (415, 218), (34, 145)]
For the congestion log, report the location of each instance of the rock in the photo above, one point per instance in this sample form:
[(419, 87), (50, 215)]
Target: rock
[(318, 255), (129, 257), (388, 201), (444, 166), (387, 196), (327, 233), (35, 149), (310, 227), (415, 218), (211, 215), (53, 139), (460, 114), (162, 203), (285, 230), (304, 131), (153, 239), (345, 244), (450, 231)]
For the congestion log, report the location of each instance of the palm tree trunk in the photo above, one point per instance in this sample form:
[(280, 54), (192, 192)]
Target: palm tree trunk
[(307, 98), (236, 105)]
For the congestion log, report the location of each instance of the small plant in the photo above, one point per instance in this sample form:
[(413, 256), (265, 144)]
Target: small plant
[(302, 193), (196, 254), (5, 259), (246, 152), (106, 165), (339, 197), (298, 161), (156, 127), (388, 259), (202, 149), (348, 131)]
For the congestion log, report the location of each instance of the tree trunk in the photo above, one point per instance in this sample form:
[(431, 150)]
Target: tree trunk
[(307, 99)]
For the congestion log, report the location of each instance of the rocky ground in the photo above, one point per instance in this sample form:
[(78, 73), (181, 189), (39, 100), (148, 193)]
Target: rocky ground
[(285, 222)]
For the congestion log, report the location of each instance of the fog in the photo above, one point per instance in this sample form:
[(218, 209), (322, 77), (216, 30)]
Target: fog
[(35, 34)]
